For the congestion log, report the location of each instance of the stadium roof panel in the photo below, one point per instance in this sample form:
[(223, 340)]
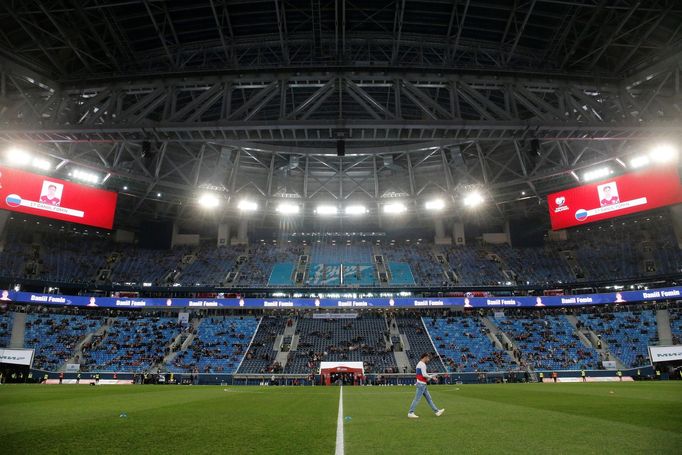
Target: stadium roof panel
[(252, 97), (82, 39)]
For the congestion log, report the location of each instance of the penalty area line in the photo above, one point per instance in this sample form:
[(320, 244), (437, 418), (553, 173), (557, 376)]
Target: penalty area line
[(340, 450)]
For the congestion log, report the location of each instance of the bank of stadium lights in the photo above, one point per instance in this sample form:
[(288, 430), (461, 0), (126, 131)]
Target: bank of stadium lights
[(658, 154), (287, 208), (326, 210), (355, 210), (85, 176), (473, 199), (663, 153), (596, 174), (639, 161), (247, 206), (394, 208), (209, 201), (20, 157), (435, 204)]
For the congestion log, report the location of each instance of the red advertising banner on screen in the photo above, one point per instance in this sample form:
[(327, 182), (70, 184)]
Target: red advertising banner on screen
[(623, 195), (41, 195)]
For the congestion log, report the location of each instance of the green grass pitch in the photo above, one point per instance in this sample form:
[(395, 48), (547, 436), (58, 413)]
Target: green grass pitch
[(498, 419)]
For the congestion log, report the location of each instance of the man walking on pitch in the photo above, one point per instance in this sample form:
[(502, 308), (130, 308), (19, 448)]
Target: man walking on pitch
[(422, 379)]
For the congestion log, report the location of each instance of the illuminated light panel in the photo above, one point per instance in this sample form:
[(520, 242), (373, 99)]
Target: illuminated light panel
[(596, 174), (356, 210), (435, 204), (639, 161), (85, 176), (209, 200), (326, 210), (663, 153), (287, 208), (247, 206), (395, 208), (473, 199)]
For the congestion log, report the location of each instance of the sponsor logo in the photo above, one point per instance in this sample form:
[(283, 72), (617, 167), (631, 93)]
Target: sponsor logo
[(560, 202)]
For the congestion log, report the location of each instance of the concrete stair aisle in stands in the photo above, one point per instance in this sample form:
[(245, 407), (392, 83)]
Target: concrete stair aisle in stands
[(504, 340), (399, 351), (183, 340), (506, 271), (395, 332), (380, 268), (236, 269), (185, 262), (585, 341), (195, 327), (665, 334), (18, 330), (78, 350), (289, 331), (570, 257), (594, 340), (302, 268), (492, 333), (176, 346), (448, 273)]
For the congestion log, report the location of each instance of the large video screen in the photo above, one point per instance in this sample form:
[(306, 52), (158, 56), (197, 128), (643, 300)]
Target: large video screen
[(622, 195), (41, 195)]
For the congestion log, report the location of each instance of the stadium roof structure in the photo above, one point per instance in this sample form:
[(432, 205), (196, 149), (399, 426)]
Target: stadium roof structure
[(258, 98)]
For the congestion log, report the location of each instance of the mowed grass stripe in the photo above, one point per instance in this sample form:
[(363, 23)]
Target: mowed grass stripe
[(179, 420), (494, 419), (614, 402)]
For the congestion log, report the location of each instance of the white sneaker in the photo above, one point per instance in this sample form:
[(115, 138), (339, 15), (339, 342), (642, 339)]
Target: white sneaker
[(412, 415), (440, 412)]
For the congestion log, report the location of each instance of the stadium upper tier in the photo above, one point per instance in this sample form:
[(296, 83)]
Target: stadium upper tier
[(643, 248), (467, 341)]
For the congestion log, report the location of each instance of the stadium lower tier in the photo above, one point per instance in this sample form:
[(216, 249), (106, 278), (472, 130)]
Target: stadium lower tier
[(525, 340)]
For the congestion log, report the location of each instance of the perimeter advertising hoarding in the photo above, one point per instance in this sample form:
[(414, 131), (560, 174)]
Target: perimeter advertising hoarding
[(359, 303), (665, 353), (49, 197), (17, 356), (622, 195)]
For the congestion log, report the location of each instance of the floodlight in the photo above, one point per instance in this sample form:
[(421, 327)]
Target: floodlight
[(596, 174), (287, 208), (395, 208), (663, 153), (435, 204), (41, 163), (18, 156), (473, 199), (247, 206), (355, 210), (639, 161), (326, 210), (209, 200), (85, 176)]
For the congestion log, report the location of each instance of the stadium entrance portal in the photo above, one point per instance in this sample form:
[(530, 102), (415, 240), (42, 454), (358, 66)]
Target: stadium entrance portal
[(345, 372)]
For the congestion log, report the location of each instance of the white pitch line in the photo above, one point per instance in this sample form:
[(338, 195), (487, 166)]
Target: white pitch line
[(340, 450)]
